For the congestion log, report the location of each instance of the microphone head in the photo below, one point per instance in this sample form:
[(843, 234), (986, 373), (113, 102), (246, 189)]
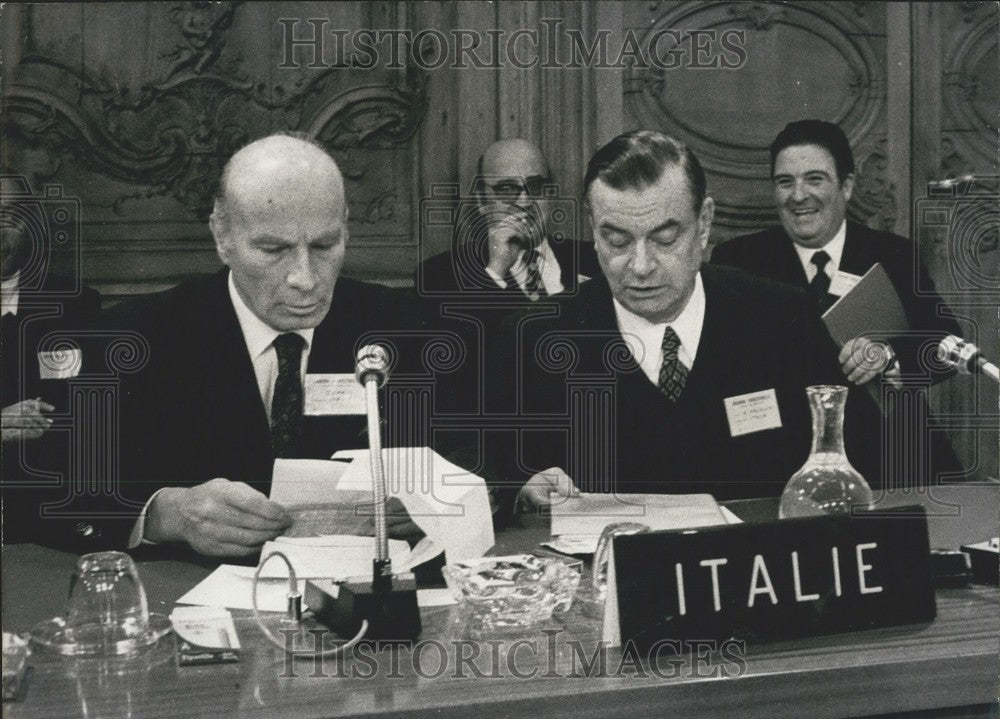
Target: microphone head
[(956, 352), (372, 362)]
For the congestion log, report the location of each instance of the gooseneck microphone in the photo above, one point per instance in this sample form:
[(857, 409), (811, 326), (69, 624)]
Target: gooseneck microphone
[(965, 357), (382, 606), (372, 371)]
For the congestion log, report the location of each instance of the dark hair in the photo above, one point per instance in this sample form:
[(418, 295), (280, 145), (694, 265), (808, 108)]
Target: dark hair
[(637, 159), (817, 132)]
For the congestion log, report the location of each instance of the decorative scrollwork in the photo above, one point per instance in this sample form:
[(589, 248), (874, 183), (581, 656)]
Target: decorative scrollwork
[(171, 137), (757, 16)]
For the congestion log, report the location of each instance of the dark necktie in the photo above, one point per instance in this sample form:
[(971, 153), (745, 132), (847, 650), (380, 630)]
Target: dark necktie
[(533, 286), (673, 374), (820, 284), (286, 404)]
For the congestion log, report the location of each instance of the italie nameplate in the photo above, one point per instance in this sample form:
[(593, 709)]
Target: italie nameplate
[(774, 580)]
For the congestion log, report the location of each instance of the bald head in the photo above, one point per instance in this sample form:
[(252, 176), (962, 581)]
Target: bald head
[(280, 224), (279, 172), (513, 158)]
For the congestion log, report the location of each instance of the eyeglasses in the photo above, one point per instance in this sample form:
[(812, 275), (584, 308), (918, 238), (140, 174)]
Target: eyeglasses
[(513, 187)]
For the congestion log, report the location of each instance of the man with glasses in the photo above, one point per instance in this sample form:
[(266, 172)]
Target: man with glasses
[(501, 242)]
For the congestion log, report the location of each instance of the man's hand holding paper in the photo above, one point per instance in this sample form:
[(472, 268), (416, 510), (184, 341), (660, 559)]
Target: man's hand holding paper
[(217, 518)]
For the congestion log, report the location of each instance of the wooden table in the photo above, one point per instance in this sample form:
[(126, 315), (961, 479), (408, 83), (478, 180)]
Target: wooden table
[(951, 662)]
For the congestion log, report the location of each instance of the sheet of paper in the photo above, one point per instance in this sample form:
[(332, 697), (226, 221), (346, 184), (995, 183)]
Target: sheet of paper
[(336, 557), (586, 544), (435, 598), (589, 514), (330, 394), (576, 544), (730, 517), (450, 504), (229, 587), (304, 482), (842, 283)]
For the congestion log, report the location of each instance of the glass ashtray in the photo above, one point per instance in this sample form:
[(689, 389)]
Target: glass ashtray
[(512, 592)]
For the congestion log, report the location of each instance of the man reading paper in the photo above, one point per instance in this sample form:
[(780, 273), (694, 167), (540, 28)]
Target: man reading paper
[(669, 375), (222, 393)]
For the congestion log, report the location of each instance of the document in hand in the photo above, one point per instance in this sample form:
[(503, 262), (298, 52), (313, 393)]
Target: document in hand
[(579, 521), (450, 504), (871, 307)]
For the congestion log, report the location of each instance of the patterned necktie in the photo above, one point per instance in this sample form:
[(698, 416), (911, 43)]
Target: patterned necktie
[(820, 284), (533, 286), (286, 404), (673, 373)]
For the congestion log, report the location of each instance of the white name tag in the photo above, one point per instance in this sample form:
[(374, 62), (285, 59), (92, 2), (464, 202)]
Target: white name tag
[(60, 364), (842, 283), (333, 394), (752, 412)]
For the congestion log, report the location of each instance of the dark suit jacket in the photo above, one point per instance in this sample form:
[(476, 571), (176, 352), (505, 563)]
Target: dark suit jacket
[(771, 254), (194, 411), (587, 406), (35, 471)]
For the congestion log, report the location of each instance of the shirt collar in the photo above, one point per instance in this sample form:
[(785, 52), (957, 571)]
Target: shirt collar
[(687, 324), (257, 333), (10, 293), (834, 248)]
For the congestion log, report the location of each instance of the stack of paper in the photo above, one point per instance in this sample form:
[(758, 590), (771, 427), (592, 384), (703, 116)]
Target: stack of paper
[(449, 504), (577, 522), (334, 557)]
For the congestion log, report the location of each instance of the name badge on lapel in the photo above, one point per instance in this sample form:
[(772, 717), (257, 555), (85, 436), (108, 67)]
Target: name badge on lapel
[(327, 394), (752, 412), (60, 364), (842, 283)]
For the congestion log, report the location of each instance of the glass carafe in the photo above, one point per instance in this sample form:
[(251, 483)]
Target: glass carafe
[(826, 483)]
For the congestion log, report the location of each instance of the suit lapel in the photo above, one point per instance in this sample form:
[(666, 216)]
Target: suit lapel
[(787, 266), (229, 371), (857, 257)]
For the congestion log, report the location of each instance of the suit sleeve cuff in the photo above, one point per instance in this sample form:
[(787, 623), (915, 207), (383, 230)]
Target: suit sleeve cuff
[(137, 537)]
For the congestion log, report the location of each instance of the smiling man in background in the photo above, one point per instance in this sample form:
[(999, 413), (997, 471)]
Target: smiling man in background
[(817, 247)]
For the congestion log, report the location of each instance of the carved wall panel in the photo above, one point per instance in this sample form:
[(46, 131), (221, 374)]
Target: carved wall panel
[(134, 108), (961, 144), (799, 60)]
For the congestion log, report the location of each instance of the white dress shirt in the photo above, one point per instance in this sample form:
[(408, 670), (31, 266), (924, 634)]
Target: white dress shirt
[(645, 339), (834, 248), (548, 268), (259, 338), (10, 293)]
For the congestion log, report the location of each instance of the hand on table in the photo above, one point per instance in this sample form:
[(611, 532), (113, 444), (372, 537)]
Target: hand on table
[(862, 359), (24, 420), (217, 518), (536, 491)]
